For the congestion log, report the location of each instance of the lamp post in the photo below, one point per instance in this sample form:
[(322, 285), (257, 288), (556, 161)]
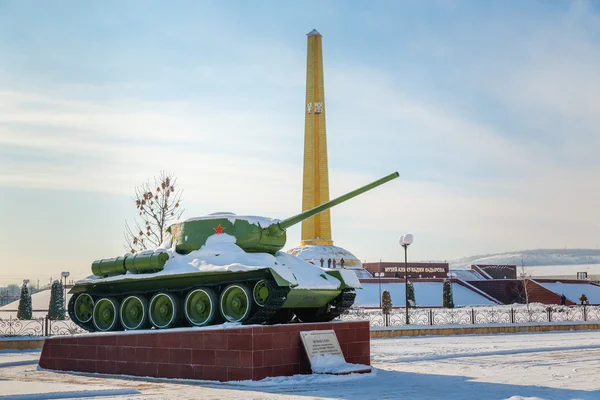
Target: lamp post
[(65, 274), (406, 241), (379, 275)]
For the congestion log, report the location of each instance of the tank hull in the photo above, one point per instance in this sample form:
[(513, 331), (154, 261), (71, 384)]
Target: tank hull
[(284, 302), (296, 298)]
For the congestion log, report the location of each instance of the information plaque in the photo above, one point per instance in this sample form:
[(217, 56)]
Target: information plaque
[(322, 343), (325, 355)]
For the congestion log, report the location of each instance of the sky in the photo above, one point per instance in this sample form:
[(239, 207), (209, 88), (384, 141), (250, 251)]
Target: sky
[(488, 110)]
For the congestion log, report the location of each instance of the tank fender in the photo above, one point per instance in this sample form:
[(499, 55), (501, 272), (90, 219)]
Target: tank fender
[(281, 281), (348, 279)]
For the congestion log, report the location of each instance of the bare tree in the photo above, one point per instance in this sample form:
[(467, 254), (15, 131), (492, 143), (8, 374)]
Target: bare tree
[(525, 283), (158, 205)]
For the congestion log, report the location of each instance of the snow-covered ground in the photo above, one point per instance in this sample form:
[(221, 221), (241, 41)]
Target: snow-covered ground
[(532, 258), (427, 294), (528, 366), (573, 291), (9, 358), (467, 275), (26, 390), (564, 271)]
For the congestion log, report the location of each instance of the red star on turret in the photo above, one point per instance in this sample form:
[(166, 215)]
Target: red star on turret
[(219, 229)]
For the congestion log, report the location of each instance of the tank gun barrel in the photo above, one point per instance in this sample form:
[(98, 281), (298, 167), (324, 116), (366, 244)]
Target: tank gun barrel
[(286, 223)]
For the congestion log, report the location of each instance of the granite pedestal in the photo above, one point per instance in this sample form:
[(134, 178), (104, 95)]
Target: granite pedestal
[(210, 353)]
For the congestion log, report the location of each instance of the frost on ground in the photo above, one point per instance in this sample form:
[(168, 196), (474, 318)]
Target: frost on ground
[(528, 366), (11, 358), (22, 390)]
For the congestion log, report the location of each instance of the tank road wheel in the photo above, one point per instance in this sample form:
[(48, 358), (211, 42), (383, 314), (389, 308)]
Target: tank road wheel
[(84, 308), (200, 306), (134, 313), (106, 314), (261, 292), (163, 310), (236, 303)]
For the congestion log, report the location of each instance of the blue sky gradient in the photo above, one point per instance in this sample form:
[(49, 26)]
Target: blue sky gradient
[(489, 111)]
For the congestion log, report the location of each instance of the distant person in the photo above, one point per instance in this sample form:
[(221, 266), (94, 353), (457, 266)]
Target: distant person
[(329, 263), (322, 261), (563, 300), (583, 299), (334, 263), (342, 262)]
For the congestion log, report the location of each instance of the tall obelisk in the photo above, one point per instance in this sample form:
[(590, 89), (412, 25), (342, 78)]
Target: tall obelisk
[(315, 188), (316, 245)]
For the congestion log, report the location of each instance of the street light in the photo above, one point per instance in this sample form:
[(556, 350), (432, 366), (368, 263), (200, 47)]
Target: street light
[(406, 241), (65, 274), (379, 274)]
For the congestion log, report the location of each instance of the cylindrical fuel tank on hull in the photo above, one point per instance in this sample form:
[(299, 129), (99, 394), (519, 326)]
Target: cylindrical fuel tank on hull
[(142, 263)]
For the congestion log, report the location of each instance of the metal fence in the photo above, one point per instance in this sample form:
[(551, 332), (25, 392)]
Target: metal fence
[(473, 316), (40, 326), (43, 326)]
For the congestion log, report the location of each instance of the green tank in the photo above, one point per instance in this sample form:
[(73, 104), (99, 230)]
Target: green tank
[(217, 268)]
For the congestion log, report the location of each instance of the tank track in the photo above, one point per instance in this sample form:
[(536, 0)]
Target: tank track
[(265, 314), (277, 296), (337, 307), (330, 312), (342, 303)]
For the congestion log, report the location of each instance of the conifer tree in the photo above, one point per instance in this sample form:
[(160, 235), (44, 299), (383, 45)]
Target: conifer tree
[(25, 310), (448, 300), (56, 308), (411, 294), (386, 302)]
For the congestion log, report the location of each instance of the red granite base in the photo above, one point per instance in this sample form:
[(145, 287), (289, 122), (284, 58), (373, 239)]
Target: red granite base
[(252, 352)]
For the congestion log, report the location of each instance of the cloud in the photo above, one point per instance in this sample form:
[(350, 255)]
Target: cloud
[(479, 177), (507, 161)]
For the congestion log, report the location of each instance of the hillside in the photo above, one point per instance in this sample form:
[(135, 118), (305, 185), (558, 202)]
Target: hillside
[(532, 258)]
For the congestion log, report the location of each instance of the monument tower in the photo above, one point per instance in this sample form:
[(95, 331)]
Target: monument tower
[(317, 243), (315, 183)]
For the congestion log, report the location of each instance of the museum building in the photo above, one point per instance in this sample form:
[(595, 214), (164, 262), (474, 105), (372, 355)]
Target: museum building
[(415, 269)]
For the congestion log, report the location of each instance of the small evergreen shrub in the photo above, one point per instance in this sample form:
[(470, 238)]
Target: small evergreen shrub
[(25, 310), (56, 308), (386, 302), (448, 300)]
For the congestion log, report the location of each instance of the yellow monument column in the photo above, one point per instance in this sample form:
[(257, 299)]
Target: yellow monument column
[(316, 245), (315, 189)]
